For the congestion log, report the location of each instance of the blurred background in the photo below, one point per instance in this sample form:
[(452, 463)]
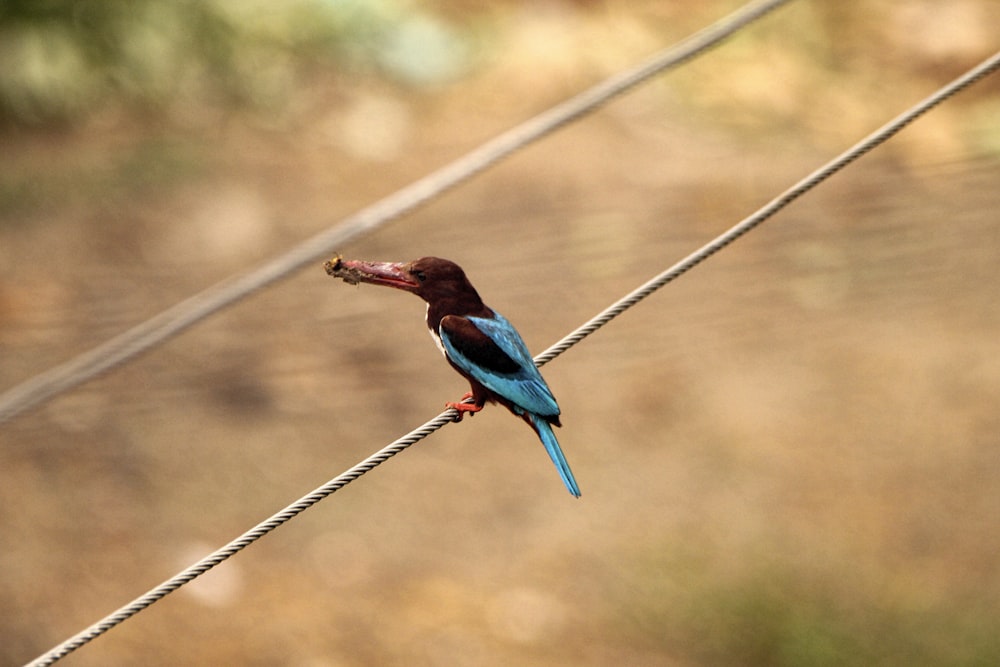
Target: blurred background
[(791, 456)]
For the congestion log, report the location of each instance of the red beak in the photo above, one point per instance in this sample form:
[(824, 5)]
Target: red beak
[(375, 273)]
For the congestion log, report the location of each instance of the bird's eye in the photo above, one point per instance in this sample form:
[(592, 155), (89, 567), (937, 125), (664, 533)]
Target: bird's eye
[(420, 276)]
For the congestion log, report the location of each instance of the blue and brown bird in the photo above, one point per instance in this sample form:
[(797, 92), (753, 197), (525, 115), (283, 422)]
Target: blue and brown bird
[(476, 340)]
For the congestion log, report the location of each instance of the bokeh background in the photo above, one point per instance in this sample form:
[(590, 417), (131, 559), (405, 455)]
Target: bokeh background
[(791, 456)]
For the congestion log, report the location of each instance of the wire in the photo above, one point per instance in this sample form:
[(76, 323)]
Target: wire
[(867, 144), (244, 540), (176, 319), (805, 185)]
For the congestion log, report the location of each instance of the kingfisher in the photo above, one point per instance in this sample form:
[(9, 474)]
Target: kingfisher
[(476, 340)]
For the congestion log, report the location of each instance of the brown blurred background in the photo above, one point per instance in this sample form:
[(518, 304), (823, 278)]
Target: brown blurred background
[(788, 457)]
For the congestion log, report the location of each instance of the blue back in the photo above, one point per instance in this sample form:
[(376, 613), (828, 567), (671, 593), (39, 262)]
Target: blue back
[(525, 388)]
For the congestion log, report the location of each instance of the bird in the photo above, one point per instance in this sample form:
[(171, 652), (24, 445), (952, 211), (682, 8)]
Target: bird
[(476, 340)]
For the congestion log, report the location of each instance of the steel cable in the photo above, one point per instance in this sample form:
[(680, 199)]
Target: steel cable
[(805, 185), (870, 142), (176, 319), (243, 541)]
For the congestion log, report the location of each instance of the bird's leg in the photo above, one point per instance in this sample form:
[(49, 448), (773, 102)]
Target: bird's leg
[(464, 407)]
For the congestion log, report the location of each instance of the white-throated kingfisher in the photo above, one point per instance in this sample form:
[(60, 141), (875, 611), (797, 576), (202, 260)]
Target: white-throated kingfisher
[(477, 341)]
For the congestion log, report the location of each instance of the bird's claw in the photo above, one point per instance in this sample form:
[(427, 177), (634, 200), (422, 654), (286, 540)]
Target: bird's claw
[(464, 407)]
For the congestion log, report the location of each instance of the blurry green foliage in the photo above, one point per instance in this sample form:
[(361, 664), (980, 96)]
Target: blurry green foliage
[(780, 615), (59, 59)]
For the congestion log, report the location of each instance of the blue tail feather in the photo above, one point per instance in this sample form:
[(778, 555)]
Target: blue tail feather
[(548, 439)]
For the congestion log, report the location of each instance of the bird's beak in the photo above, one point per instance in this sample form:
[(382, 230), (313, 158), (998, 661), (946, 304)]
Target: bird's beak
[(375, 273)]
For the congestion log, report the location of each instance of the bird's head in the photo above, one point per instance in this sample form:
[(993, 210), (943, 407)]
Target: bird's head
[(430, 278)]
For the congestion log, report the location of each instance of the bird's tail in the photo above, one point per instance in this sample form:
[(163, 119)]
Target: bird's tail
[(548, 439)]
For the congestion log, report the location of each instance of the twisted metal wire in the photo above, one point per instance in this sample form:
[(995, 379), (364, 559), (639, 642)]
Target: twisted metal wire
[(246, 539), (867, 144), (176, 319), (805, 185)]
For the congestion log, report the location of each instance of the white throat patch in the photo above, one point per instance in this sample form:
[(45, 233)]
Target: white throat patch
[(435, 335)]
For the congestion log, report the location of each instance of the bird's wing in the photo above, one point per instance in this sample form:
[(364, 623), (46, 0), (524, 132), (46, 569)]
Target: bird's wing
[(492, 352)]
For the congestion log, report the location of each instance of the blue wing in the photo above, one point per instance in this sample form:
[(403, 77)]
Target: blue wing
[(492, 352), (517, 379)]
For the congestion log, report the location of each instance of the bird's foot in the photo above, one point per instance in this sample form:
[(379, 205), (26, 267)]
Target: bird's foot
[(464, 407)]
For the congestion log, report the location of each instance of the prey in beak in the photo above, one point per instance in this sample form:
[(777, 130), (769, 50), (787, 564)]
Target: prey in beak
[(375, 273)]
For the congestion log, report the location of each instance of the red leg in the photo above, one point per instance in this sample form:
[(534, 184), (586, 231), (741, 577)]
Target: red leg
[(464, 407)]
